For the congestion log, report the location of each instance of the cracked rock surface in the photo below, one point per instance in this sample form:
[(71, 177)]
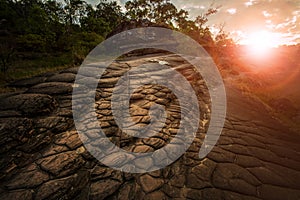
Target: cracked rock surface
[(43, 157)]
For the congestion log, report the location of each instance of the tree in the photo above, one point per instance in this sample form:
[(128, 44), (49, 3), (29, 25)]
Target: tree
[(74, 27), (222, 39), (54, 11), (197, 29), (55, 24), (164, 12), (157, 11), (103, 19), (74, 11), (7, 50)]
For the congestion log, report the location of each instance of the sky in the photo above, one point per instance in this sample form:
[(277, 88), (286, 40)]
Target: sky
[(243, 18)]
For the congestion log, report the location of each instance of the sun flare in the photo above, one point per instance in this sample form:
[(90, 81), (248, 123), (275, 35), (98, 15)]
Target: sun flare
[(260, 43)]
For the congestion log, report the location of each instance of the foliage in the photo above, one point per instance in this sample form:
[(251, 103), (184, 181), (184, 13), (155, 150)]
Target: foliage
[(32, 42), (84, 42), (75, 27), (103, 19), (222, 39), (157, 11), (5, 57)]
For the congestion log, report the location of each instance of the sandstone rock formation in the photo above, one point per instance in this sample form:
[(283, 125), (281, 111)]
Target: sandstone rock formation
[(42, 156)]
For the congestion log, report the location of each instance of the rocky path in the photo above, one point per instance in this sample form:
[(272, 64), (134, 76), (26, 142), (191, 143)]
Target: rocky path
[(42, 156)]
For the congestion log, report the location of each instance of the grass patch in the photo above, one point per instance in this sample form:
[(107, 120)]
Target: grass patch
[(33, 65)]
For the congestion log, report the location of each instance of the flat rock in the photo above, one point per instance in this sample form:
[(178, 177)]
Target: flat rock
[(18, 194), (62, 164), (52, 88), (14, 132), (73, 70), (42, 156), (55, 124), (63, 187), (9, 113), (63, 77), (27, 178), (156, 195), (233, 177), (155, 143), (126, 191), (149, 183), (270, 192), (104, 188), (29, 104), (28, 82)]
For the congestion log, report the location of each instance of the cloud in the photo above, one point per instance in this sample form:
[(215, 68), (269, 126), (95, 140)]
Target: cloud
[(191, 6), (231, 11), (249, 3), (246, 16), (266, 14), (288, 23)]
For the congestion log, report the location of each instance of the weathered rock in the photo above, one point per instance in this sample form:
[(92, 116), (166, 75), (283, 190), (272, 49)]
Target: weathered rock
[(194, 194), (149, 183), (173, 192), (156, 195), (63, 77), (28, 82), (126, 192), (53, 149), (200, 175), (155, 143), (117, 159), (61, 164), (268, 177), (54, 123), (72, 70), (230, 176), (104, 188), (14, 132), (9, 113), (142, 149), (270, 192), (29, 104), (28, 177), (18, 194), (42, 156), (52, 88), (36, 142), (64, 188), (219, 155), (143, 163)]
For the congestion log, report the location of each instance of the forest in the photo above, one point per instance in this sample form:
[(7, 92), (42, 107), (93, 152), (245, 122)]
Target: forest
[(39, 34)]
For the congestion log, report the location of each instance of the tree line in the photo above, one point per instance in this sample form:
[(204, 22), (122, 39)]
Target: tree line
[(39, 27)]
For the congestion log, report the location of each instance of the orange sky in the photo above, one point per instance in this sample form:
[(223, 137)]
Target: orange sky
[(244, 18)]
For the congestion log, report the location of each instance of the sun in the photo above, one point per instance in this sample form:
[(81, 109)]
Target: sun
[(260, 43)]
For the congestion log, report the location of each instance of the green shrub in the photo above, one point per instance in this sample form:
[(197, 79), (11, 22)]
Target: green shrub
[(32, 42), (83, 43)]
